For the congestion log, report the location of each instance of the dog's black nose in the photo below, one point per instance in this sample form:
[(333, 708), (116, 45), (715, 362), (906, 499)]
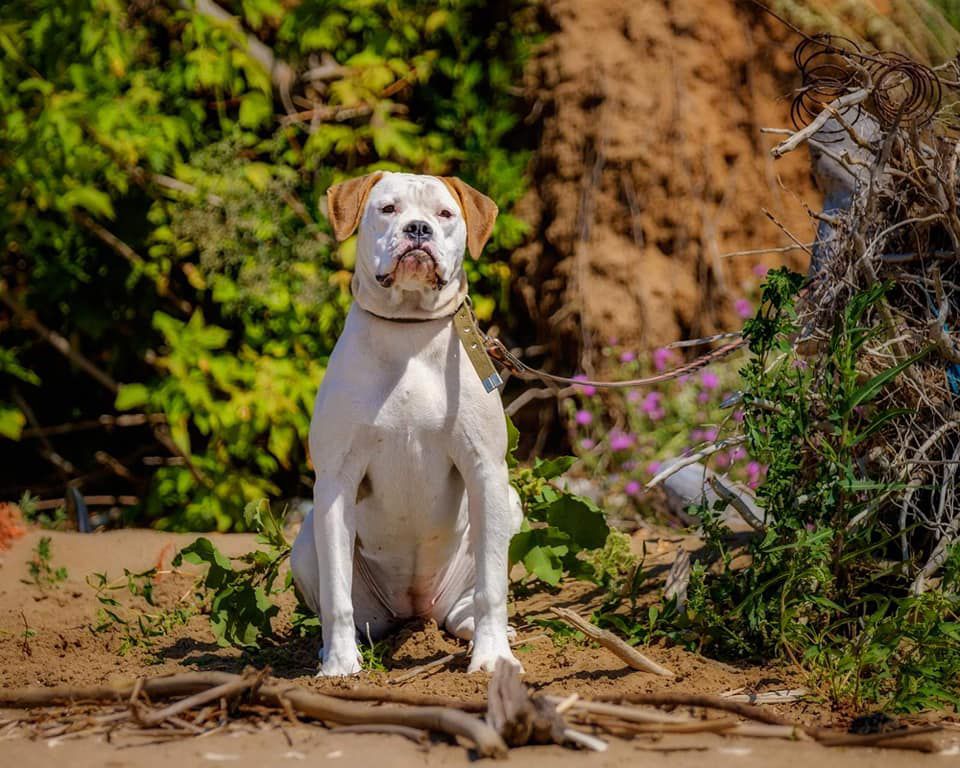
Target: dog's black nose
[(419, 230)]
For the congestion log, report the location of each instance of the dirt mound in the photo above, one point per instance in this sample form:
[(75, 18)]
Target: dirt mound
[(652, 166)]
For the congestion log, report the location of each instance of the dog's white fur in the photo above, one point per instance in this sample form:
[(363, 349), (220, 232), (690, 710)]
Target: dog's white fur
[(413, 509)]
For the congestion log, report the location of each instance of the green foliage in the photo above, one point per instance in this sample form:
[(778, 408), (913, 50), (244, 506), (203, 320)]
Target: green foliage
[(157, 212), (242, 600), (138, 627), (817, 586), (558, 526), (42, 573)]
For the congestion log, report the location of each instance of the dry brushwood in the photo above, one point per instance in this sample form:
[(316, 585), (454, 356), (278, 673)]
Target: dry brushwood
[(276, 694), (514, 716), (885, 148)]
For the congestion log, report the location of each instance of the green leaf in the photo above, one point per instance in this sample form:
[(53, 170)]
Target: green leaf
[(513, 440), (545, 564), (552, 468), (872, 388), (580, 519), (255, 110), (131, 396), (11, 421), (89, 198), (201, 552)]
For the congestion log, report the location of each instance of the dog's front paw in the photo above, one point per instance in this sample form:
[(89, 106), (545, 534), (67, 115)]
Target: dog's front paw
[(339, 664), (484, 658)]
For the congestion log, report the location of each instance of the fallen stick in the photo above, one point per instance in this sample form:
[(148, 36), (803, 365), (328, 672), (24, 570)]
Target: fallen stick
[(306, 703), (672, 699), (226, 691), (888, 739), (630, 714), (612, 643)]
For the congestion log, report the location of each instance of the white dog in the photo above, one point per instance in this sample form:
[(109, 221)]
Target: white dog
[(413, 508)]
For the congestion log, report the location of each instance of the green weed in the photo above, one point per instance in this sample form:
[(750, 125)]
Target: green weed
[(42, 573)]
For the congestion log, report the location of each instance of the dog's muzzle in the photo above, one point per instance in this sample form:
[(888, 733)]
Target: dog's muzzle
[(413, 258)]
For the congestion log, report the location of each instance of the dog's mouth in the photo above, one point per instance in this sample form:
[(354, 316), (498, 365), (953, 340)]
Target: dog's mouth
[(413, 264)]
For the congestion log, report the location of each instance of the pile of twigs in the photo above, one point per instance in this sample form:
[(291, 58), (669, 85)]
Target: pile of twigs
[(200, 704), (885, 149)]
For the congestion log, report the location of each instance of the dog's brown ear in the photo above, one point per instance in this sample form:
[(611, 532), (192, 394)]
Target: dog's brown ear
[(479, 213), (345, 203)]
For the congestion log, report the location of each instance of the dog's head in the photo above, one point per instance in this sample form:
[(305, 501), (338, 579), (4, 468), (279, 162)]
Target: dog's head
[(413, 229)]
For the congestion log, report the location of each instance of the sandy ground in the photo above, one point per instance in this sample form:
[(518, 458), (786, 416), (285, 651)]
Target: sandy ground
[(60, 648)]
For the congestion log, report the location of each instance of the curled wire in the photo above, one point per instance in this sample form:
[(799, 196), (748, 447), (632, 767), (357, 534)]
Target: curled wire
[(830, 66)]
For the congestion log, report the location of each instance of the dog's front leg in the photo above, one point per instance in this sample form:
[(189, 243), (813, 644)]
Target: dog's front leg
[(494, 519), (334, 528)]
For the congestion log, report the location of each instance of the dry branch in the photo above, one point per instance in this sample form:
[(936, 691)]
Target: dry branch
[(273, 693), (612, 643)]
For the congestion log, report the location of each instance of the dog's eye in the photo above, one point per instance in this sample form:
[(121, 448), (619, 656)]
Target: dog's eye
[(388, 209), (446, 214)]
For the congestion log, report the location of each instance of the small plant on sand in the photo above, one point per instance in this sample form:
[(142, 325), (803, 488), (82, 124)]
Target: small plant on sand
[(42, 573), (139, 627), (242, 601)]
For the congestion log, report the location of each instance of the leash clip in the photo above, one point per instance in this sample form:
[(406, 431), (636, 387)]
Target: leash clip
[(474, 342)]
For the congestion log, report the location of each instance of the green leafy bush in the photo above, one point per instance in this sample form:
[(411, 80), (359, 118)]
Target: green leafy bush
[(819, 586), (162, 213)]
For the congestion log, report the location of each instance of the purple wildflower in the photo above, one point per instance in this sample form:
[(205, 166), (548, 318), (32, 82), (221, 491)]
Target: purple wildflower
[(743, 308), (632, 488), (652, 404), (760, 270), (709, 380), (587, 389), (620, 441), (586, 444), (653, 467), (661, 356), (627, 357), (583, 418)]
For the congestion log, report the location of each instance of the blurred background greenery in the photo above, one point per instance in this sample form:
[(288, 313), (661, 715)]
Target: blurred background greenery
[(166, 255)]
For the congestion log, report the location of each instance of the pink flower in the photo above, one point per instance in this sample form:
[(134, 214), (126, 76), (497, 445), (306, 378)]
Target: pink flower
[(738, 416), (738, 453), (620, 441), (710, 434), (722, 460), (743, 308), (651, 402), (627, 357), (653, 406), (632, 488), (709, 380), (653, 467), (583, 418), (755, 472), (633, 395), (587, 389), (661, 357), (760, 270), (586, 444), (703, 397)]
